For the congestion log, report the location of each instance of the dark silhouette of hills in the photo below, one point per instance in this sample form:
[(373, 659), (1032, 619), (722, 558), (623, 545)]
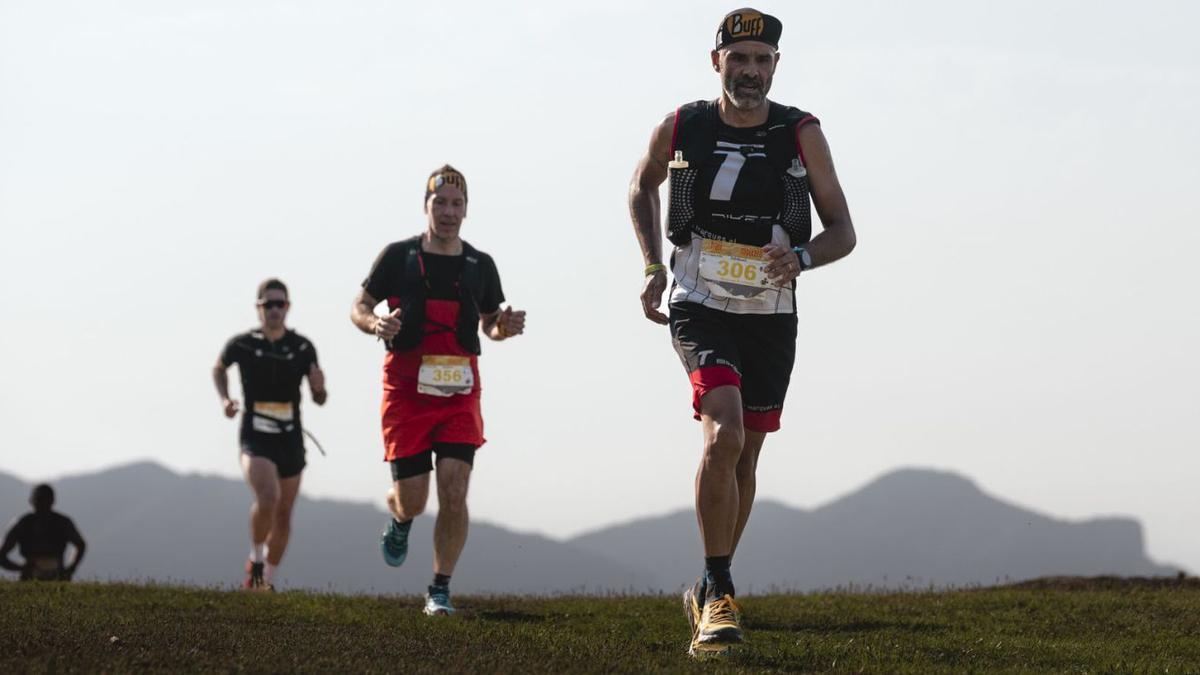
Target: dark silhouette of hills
[(909, 528), (144, 522)]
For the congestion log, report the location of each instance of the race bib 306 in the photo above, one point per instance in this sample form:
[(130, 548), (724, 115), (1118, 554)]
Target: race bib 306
[(733, 270)]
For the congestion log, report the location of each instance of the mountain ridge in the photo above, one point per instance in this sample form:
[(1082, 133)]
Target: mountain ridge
[(904, 528)]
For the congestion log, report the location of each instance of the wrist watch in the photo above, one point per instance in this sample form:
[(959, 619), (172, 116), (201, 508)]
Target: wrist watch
[(804, 257)]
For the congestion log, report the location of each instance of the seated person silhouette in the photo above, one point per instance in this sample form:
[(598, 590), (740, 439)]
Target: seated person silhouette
[(41, 538)]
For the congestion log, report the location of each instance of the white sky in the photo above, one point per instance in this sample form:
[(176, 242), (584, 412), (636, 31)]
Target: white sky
[(1019, 308)]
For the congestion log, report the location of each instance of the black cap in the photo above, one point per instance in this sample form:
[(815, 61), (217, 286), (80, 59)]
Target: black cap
[(744, 25)]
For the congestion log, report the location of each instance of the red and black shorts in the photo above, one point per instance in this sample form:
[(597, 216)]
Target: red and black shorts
[(753, 352)]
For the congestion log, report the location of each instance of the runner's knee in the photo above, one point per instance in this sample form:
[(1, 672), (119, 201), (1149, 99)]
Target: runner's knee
[(748, 463), (452, 496), (267, 500), (408, 511), (454, 504), (283, 517), (723, 444), (408, 504), (410, 508)]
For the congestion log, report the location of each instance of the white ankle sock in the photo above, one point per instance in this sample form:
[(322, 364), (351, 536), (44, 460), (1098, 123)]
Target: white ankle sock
[(258, 552), (269, 574)]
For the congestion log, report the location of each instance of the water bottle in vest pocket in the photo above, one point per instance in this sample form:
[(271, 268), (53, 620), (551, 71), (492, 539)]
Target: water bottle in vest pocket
[(682, 199)]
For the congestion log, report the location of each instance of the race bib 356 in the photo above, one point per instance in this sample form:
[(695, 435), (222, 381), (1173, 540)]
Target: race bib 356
[(445, 375)]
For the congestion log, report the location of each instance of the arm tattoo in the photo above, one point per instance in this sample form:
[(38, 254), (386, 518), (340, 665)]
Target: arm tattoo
[(644, 209)]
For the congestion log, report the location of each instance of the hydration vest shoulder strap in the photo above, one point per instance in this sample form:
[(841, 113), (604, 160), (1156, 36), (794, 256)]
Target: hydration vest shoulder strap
[(412, 298), (695, 131), (471, 279), (470, 292), (412, 267), (782, 144)]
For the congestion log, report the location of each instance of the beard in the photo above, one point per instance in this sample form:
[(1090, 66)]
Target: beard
[(750, 96)]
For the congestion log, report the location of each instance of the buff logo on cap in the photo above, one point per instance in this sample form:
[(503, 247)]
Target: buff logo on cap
[(742, 25), (447, 175)]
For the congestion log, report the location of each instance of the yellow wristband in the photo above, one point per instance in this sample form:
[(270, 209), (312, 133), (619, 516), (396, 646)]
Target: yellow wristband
[(651, 269)]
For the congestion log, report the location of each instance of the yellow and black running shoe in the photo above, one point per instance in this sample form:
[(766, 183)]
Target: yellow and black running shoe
[(720, 626)]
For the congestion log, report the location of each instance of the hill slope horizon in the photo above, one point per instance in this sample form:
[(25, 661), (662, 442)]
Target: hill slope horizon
[(905, 529)]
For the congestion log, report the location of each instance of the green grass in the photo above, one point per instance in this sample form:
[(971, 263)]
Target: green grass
[(1060, 626)]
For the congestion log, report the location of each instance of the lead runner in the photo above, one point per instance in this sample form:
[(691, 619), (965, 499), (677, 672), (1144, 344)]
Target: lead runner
[(741, 171), (440, 291)]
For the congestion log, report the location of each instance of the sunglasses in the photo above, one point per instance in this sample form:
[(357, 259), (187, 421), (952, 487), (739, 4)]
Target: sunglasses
[(273, 304)]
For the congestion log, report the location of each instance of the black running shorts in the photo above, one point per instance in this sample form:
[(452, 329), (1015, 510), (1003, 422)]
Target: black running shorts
[(422, 462), (285, 450), (754, 352)]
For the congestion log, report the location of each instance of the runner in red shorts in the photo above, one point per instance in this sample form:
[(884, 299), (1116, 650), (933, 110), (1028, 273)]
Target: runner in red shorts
[(440, 291)]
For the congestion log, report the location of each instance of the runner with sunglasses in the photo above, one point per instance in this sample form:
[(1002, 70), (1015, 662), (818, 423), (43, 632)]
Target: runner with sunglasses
[(440, 291), (271, 360)]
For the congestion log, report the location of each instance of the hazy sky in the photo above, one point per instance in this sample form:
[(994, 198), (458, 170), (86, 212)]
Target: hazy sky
[(1020, 307)]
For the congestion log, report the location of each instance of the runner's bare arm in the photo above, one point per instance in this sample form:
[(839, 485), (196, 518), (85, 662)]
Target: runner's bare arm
[(837, 238), (221, 381), (80, 547), (504, 324), (316, 384), (645, 208), (10, 542), (362, 314), (644, 204)]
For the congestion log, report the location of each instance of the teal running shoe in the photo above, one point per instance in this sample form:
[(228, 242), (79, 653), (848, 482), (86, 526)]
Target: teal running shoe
[(394, 542), (437, 602)]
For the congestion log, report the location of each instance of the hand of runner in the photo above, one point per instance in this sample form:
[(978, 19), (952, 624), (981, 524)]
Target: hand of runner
[(511, 323), (316, 380), (388, 326), (231, 407), (783, 266), (652, 293)]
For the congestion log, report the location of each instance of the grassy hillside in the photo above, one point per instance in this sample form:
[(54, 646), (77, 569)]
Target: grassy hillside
[(1067, 626)]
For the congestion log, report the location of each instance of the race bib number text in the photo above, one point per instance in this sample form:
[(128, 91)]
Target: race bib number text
[(445, 375), (733, 270)]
